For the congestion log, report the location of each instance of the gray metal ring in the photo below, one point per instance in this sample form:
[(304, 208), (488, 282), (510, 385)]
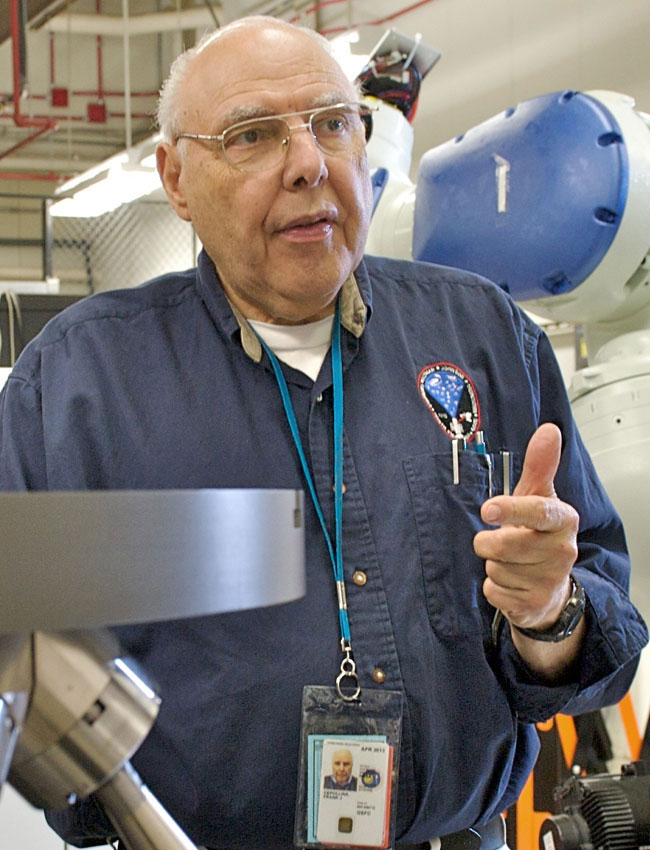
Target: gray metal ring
[(357, 690)]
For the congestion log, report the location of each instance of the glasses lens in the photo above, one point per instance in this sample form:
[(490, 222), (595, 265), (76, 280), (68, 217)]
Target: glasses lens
[(261, 143), (339, 130), (255, 145)]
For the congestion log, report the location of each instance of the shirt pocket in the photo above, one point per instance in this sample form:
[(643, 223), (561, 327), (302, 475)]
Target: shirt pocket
[(447, 516)]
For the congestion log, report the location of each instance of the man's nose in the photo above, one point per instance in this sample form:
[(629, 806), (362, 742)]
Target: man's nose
[(305, 159)]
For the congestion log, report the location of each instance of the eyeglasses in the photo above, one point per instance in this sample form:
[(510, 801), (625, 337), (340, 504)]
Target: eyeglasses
[(262, 143)]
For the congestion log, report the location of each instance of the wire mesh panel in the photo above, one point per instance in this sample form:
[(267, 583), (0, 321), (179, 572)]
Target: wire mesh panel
[(122, 248), (21, 238)]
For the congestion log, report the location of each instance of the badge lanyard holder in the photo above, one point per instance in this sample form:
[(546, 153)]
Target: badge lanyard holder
[(349, 747), (359, 740)]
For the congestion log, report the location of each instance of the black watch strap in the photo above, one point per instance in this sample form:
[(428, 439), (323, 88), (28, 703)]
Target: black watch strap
[(565, 625)]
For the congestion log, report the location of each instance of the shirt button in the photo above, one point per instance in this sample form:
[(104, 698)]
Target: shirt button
[(344, 488), (319, 397), (359, 578), (378, 676)]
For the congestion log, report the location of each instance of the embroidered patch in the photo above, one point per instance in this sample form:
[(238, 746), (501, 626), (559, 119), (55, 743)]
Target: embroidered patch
[(451, 397)]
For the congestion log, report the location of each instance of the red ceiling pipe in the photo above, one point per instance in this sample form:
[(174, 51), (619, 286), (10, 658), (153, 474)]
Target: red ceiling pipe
[(114, 93), (47, 128), (92, 93), (40, 126), (49, 176)]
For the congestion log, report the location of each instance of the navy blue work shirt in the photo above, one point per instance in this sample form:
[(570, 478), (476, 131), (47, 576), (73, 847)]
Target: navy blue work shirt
[(152, 388)]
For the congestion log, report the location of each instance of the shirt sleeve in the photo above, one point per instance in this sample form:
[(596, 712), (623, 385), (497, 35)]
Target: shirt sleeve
[(616, 632), (22, 449)]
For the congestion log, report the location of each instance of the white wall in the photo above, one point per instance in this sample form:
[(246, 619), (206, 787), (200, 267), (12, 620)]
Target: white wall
[(23, 827)]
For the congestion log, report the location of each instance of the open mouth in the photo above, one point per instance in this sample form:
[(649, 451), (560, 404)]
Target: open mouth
[(308, 229)]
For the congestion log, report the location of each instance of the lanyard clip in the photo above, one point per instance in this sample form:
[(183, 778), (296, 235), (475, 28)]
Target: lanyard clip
[(348, 671)]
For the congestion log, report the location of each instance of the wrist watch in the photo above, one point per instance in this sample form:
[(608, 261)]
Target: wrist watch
[(566, 623)]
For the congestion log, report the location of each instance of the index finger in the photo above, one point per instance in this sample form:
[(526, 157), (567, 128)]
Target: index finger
[(540, 513)]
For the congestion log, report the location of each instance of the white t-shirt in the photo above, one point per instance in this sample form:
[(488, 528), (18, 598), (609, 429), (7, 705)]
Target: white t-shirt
[(302, 346)]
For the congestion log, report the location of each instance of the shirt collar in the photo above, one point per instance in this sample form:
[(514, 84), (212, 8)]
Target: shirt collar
[(353, 310)]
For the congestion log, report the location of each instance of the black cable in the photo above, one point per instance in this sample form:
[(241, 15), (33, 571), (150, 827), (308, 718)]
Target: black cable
[(386, 78)]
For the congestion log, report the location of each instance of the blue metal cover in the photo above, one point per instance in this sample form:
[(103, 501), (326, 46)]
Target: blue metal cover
[(531, 198)]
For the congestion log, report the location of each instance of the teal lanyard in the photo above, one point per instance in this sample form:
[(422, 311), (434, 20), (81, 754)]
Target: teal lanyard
[(348, 667)]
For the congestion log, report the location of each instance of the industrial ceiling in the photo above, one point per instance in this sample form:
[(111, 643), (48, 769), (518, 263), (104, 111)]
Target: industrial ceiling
[(93, 67)]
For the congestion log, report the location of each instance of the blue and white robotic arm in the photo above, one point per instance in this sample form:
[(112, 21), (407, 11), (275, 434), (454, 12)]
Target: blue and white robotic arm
[(550, 199), (555, 197)]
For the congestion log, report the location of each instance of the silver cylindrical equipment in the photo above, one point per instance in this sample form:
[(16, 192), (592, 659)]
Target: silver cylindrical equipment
[(142, 823), (88, 713), (79, 560)]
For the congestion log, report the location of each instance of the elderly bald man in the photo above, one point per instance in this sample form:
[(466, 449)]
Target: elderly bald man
[(288, 359)]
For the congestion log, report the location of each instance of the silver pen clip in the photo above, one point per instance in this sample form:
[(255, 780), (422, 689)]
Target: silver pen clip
[(506, 462), (457, 445)]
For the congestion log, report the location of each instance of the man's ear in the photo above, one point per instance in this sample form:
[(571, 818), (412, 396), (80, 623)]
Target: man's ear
[(169, 165)]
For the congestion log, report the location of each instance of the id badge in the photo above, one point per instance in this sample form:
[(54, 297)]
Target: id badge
[(349, 765)]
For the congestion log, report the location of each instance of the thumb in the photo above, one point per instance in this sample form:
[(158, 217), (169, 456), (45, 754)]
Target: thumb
[(541, 462)]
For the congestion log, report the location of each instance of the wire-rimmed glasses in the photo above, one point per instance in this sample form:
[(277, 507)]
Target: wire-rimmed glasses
[(262, 143)]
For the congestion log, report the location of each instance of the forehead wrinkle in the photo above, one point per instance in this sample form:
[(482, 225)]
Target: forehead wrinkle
[(245, 112)]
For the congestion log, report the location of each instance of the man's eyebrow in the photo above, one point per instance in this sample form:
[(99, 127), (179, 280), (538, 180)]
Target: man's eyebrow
[(244, 113), (331, 98)]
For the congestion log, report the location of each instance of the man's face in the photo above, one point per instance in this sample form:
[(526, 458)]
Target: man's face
[(341, 766), (283, 240)]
